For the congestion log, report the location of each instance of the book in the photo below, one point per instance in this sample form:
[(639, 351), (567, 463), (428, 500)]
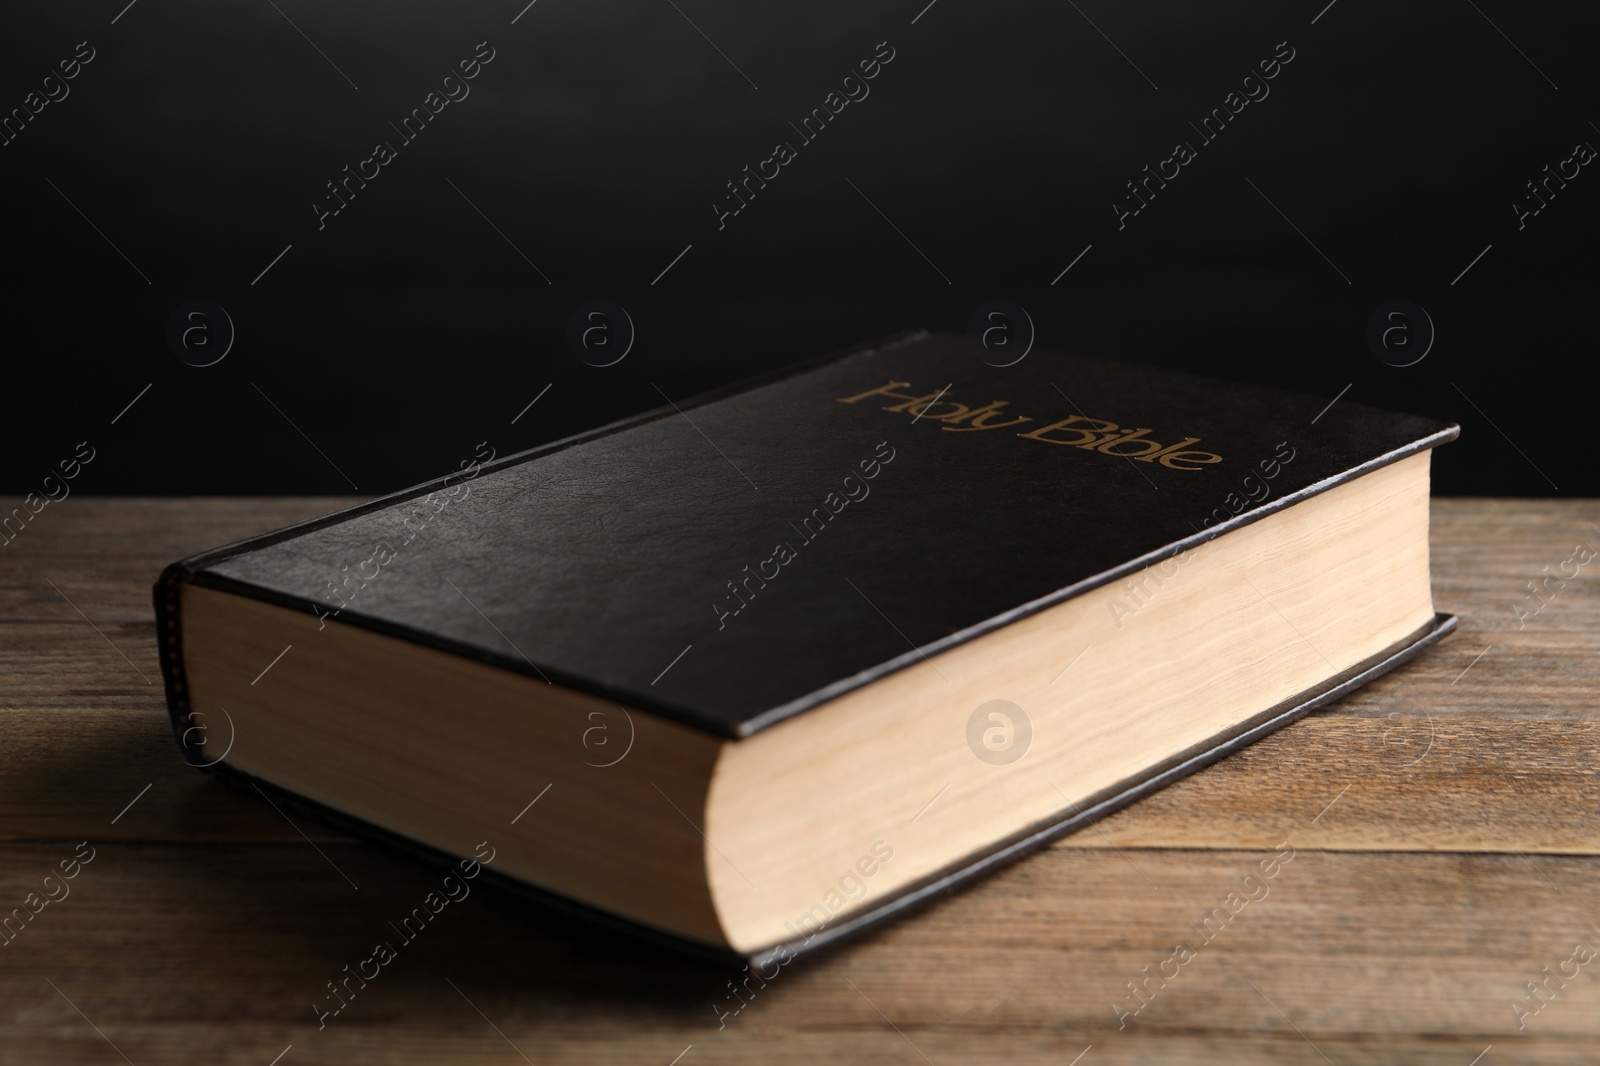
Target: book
[(752, 672)]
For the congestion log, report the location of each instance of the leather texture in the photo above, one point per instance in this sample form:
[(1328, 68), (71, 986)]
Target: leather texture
[(604, 562)]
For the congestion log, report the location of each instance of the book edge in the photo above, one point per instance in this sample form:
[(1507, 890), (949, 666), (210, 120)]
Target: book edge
[(942, 884), (925, 891), (245, 782)]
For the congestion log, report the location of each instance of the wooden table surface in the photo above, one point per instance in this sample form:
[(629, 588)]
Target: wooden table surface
[(1445, 827)]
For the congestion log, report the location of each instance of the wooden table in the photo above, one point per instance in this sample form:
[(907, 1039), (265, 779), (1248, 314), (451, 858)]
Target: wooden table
[(1445, 826)]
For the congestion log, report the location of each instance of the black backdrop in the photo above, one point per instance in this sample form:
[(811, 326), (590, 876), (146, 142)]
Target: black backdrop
[(182, 163)]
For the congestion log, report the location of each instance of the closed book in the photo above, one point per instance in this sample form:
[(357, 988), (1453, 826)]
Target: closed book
[(754, 671)]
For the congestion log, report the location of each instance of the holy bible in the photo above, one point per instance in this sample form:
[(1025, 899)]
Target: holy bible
[(754, 671)]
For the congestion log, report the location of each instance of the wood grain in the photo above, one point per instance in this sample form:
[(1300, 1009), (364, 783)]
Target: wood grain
[(1444, 822), (1356, 950)]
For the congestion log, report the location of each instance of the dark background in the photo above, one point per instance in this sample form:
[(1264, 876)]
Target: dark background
[(379, 350)]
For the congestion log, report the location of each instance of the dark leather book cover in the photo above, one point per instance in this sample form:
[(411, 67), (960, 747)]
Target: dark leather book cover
[(737, 559)]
